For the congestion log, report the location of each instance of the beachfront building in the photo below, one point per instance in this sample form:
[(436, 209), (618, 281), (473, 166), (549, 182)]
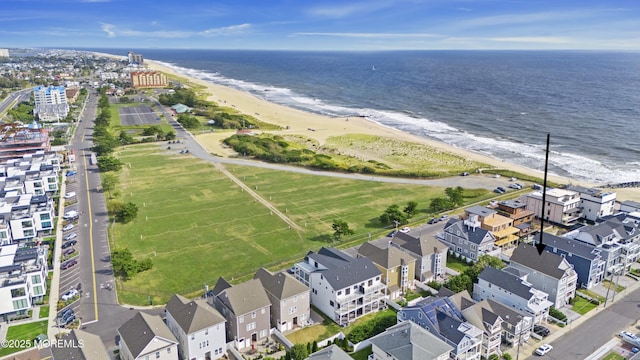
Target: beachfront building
[(148, 79), (50, 103), (430, 253), (135, 58), (516, 210), (630, 206), (466, 239), (586, 259), (342, 287), (562, 207), (501, 227), (595, 203), (397, 267), (548, 272), (23, 274)]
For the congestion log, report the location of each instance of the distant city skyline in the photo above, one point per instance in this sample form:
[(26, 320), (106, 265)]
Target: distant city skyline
[(322, 25)]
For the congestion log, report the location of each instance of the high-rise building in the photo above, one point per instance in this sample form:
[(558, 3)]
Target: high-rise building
[(135, 58), (148, 79), (4, 53), (50, 103)]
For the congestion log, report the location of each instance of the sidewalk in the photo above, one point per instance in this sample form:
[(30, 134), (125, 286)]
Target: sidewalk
[(528, 348)]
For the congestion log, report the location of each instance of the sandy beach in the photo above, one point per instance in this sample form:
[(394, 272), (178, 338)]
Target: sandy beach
[(320, 128)]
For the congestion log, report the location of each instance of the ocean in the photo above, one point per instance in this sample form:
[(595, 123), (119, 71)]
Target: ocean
[(498, 103)]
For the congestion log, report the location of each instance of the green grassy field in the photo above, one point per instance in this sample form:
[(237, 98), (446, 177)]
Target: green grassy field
[(582, 306), (197, 225), (23, 332)]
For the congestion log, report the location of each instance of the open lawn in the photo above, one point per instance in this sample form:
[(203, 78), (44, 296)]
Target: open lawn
[(44, 312), (613, 356), (582, 306), (197, 225), (456, 264), (23, 332)]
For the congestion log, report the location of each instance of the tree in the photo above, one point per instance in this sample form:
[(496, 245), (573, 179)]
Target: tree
[(410, 209), (393, 214), (125, 266), (170, 135), (340, 228), (455, 195), (298, 352), (189, 122), (109, 163), (125, 139), (109, 183), (440, 204), (127, 213)]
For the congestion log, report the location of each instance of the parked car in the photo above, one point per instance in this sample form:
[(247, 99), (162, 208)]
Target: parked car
[(498, 191), (444, 217), (465, 174), (67, 227), (70, 215), (65, 313), (69, 244), (69, 195), (433, 221), (70, 236), (405, 230), (492, 204), (391, 234), (69, 251), (67, 264), (69, 295), (514, 186), (544, 349), (501, 189), (541, 330), (71, 173), (537, 187), (67, 320)]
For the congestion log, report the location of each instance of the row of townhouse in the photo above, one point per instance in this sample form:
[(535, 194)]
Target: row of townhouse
[(23, 274)]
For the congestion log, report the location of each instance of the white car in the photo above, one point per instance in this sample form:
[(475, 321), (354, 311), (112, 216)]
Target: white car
[(544, 349), (405, 230), (67, 227), (69, 294), (69, 195)]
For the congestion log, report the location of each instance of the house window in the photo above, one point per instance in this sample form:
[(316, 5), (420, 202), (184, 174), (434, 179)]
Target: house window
[(370, 283), (339, 292), (331, 303), (17, 292), (35, 279), (157, 354), (262, 311), (251, 326), (168, 350), (253, 315), (206, 331), (347, 291), (263, 333), (193, 336), (37, 290), (241, 319)]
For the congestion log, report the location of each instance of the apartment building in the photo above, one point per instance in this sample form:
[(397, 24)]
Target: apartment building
[(595, 203), (562, 207), (23, 274), (50, 103), (516, 210), (148, 79), (17, 141)]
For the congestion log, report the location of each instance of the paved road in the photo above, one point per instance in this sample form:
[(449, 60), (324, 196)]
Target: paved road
[(8, 102)]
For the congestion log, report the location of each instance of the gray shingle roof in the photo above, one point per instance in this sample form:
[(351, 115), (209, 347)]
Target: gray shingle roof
[(507, 314), (475, 236), (408, 341), (546, 263), (332, 352), (193, 315), (281, 284), (389, 257), (419, 246), (80, 345), (140, 330), (342, 269), (480, 211), (575, 247), (506, 281), (245, 297)]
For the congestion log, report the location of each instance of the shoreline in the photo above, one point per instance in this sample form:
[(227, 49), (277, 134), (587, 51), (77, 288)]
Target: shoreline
[(321, 127)]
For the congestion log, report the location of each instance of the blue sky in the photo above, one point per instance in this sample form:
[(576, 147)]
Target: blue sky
[(322, 24)]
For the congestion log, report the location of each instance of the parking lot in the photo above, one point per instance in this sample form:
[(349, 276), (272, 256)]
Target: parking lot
[(138, 115), (70, 286)]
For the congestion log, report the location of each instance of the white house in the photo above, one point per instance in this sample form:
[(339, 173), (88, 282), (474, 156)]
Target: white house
[(145, 337), (342, 287), (595, 203), (23, 274), (563, 206), (199, 328)]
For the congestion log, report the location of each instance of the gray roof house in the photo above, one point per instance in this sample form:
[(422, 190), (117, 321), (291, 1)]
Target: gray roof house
[(408, 341), (332, 352), (342, 287), (80, 345), (199, 328), (396, 265), (467, 239), (247, 309), (290, 299), (548, 272), (431, 255), (146, 336), (630, 206), (511, 290), (587, 260)]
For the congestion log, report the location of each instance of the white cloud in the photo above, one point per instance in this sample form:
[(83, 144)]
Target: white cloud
[(228, 30), (538, 17), (108, 28), (112, 31), (369, 35), (533, 39), (345, 10)]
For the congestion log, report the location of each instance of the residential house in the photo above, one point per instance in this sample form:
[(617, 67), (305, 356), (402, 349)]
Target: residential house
[(408, 341), (199, 328), (500, 226), (467, 239), (562, 207), (290, 299), (331, 352), (397, 267), (342, 287), (515, 328), (511, 290), (23, 274), (595, 203), (442, 318), (79, 345), (145, 337), (247, 309), (430, 253), (548, 272), (587, 260), (517, 211), (617, 237), (630, 206)]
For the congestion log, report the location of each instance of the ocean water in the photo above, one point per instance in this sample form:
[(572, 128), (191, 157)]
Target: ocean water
[(499, 103)]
